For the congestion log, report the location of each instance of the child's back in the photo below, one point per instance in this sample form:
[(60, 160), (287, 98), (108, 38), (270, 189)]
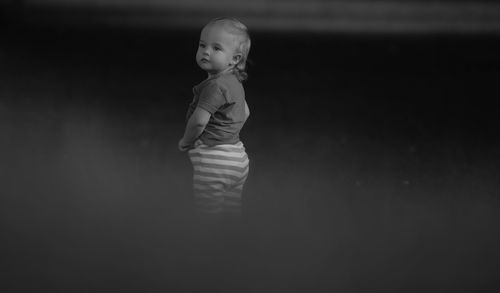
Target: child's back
[(223, 97)]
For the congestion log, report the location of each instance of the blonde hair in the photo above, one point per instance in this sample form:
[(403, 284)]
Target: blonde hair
[(237, 28)]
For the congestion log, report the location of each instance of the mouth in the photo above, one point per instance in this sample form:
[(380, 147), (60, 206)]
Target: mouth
[(204, 60)]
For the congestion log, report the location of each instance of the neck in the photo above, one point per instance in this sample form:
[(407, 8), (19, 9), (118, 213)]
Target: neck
[(227, 70)]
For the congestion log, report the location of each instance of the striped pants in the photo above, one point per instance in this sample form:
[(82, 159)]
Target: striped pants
[(219, 173)]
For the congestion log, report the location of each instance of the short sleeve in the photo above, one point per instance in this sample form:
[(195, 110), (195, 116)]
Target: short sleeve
[(211, 98)]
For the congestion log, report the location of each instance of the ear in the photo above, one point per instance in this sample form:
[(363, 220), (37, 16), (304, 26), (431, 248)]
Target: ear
[(236, 59)]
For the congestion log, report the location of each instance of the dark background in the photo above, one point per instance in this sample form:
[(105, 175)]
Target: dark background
[(374, 161)]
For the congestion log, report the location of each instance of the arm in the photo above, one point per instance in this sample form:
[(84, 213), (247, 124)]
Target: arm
[(194, 128)]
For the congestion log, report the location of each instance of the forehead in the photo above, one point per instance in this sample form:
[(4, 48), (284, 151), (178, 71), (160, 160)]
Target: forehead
[(216, 33)]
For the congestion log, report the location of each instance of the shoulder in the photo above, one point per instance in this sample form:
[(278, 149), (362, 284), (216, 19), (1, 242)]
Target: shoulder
[(228, 80), (229, 84), (211, 86)]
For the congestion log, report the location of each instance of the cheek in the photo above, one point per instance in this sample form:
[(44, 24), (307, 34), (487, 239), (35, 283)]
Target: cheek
[(221, 58)]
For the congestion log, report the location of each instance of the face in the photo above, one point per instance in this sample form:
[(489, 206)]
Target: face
[(216, 49)]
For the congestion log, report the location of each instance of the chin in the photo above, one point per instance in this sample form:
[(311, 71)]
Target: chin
[(204, 66)]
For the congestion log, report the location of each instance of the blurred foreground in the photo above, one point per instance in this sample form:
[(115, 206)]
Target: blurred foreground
[(374, 164)]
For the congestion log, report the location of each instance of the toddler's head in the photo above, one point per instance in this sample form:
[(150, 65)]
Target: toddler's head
[(224, 45)]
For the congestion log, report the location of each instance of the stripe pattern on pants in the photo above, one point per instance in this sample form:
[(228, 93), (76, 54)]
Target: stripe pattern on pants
[(219, 173)]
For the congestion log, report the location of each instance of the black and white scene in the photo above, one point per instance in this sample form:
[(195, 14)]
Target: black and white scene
[(356, 144)]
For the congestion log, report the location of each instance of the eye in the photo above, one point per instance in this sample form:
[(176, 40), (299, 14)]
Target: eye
[(217, 48), (201, 45)]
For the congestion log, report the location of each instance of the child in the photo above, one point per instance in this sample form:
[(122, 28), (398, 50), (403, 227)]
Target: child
[(215, 117)]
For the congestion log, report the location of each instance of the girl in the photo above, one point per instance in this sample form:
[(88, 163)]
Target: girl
[(215, 117)]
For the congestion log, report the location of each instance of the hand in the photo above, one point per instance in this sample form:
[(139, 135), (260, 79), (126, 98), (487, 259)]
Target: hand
[(197, 143), (182, 146)]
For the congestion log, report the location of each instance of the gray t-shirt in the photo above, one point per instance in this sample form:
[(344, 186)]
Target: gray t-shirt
[(223, 97)]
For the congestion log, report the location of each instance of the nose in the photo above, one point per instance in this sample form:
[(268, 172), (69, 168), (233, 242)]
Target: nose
[(205, 51)]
